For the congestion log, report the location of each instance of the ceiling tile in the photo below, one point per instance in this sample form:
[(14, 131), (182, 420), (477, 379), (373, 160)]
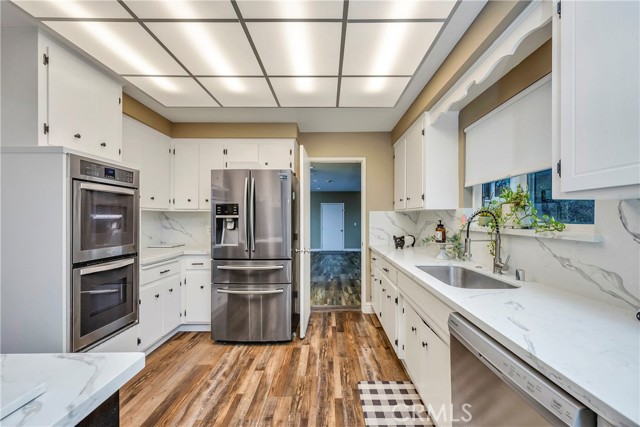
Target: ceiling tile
[(298, 48), (73, 8), (387, 48), (291, 9), (240, 91), (174, 91), (405, 9), (182, 9), (209, 48), (371, 91), (125, 47), (306, 91)]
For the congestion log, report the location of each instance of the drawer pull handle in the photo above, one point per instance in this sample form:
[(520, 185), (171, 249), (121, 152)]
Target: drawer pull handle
[(165, 271), (103, 144), (386, 270), (171, 290), (202, 287), (388, 296), (374, 258), (425, 345), (153, 198), (413, 329), (197, 263), (157, 295)]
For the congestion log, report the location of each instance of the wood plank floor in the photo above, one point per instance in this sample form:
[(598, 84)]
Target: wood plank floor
[(191, 381)]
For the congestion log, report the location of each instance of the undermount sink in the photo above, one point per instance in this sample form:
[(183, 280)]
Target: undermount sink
[(460, 277)]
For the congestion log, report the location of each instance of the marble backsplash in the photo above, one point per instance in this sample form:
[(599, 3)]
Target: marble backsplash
[(607, 271), (188, 228)]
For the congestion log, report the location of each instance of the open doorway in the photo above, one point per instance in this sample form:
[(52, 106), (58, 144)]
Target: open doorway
[(336, 235)]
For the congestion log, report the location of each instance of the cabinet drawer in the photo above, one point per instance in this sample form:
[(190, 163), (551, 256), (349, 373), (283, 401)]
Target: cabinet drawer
[(197, 263), (375, 259), (434, 312), (150, 273), (389, 270)]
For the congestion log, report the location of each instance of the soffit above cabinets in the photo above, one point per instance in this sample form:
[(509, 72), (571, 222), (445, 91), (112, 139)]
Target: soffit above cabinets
[(243, 55)]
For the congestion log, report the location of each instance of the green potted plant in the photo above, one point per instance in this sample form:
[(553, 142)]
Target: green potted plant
[(516, 209)]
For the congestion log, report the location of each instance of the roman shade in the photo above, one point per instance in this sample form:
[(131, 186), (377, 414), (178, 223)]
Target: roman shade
[(513, 139)]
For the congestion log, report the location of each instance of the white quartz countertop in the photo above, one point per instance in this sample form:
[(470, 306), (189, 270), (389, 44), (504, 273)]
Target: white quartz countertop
[(76, 384), (589, 349), (154, 255)]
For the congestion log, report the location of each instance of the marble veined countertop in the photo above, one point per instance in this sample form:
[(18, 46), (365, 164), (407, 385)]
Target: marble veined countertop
[(76, 384), (588, 348), (155, 255)]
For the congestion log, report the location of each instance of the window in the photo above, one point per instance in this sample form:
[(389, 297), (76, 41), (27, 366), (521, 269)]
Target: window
[(539, 186)]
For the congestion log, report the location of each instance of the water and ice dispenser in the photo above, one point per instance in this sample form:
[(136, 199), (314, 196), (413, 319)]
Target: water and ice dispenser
[(227, 231)]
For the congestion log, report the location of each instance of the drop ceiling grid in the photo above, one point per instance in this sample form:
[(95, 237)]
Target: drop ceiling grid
[(346, 54)]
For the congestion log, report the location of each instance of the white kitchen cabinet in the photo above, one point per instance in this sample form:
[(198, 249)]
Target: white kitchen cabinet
[(260, 154), (426, 165), (596, 88), (171, 303), (388, 309), (241, 154), (211, 157), (400, 174), (150, 151), (198, 296), (150, 314), (186, 176), (276, 154)]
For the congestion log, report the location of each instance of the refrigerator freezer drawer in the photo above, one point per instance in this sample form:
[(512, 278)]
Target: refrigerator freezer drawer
[(251, 313), (251, 272)]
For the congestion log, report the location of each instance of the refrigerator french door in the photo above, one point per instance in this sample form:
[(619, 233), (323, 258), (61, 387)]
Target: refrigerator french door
[(252, 270)]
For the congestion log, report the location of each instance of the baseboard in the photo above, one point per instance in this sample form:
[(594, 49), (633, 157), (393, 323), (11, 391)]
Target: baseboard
[(343, 250), (367, 308), (194, 328)]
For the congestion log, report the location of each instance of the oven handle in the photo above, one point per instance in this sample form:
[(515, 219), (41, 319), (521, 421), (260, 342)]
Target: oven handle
[(270, 292), (107, 267), (250, 267), (106, 188), (101, 291)]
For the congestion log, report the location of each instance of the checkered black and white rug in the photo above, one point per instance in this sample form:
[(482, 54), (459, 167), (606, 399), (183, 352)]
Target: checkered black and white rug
[(392, 403)]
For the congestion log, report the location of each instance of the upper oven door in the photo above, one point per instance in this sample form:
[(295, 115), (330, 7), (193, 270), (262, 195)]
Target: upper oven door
[(105, 221)]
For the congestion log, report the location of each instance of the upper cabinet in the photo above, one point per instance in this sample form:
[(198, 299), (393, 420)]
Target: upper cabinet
[(426, 165), (260, 153), (53, 97), (596, 93), (150, 151), (193, 161)]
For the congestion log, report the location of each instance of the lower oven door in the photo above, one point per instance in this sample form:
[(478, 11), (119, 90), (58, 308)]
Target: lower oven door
[(105, 299), (251, 313)]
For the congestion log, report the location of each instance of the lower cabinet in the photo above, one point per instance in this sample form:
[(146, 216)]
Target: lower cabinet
[(197, 296), (375, 290), (388, 311), (160, 307)]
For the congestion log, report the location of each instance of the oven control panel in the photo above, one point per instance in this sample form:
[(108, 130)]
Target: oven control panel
[(97, 170)]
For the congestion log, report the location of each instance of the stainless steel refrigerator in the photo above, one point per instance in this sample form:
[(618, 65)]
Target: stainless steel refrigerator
[(253, 236)]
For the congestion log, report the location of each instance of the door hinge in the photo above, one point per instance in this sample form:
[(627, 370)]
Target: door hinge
[(380, 314), (226, 165), (559, 168), (119, 101), (174, 201), (422, 196), (45, 59), (290, 164), (119, 151), (180, 314), (169, 150), (402, 310), (139, 302), (422, 131), (396, 300), (174, 151), (224, 151), (559, 9), (46, 128), (139, 341), (396, 341), (290, 152), (185, 313), (403, 346)]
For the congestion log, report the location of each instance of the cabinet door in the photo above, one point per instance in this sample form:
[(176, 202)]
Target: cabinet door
[(242, 155), (151, 309), (435, 378), (198, 296), (375, 291), (185, 183), (149, 150), (412, 344), (414, 173), (388, 309), (597, 45), (171, 304), (106, 117), (399, 175), (211, 157), (276, 154)]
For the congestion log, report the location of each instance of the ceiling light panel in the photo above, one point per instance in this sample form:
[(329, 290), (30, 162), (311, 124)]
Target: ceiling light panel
[(305, 91), (206, 48), (405, 9), (298, 48), (174, 91), (125, 47), (371, 91), (182, 9), (382, 49), (240, 91), (291, 9), (73, 9)]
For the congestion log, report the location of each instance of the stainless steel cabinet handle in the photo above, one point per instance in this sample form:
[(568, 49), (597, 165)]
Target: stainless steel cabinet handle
[(106, 188), (244, 214), (102, 291), (250, 267), (252, 216), (106, 267), (270, 292)]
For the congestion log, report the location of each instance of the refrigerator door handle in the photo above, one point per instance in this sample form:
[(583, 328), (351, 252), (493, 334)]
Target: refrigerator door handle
[(252, 214), (270, 292), (250, 267), (244, 215)]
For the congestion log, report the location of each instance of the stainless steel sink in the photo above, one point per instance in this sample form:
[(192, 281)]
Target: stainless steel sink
[(460, 277)]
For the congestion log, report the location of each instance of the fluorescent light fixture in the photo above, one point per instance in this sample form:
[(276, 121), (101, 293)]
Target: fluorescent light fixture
[(296, 36)]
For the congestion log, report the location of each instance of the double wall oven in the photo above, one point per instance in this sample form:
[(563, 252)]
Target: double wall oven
[(104, 242)]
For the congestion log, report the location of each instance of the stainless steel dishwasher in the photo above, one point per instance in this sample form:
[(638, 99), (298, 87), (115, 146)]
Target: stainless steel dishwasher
[(492, 387)]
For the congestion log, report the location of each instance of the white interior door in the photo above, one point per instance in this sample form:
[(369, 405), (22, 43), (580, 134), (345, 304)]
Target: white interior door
[(332, 215), (304, 255)]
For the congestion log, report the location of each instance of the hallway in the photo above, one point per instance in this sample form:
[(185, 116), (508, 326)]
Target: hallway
[(335, 279)]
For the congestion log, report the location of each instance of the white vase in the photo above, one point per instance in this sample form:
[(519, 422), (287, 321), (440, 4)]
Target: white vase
[(515, 219)]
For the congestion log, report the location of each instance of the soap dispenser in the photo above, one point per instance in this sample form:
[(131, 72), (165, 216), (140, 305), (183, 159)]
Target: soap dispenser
[(441, 233)]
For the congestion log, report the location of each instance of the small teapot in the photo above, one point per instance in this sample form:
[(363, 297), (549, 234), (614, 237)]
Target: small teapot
[(399, 241)]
